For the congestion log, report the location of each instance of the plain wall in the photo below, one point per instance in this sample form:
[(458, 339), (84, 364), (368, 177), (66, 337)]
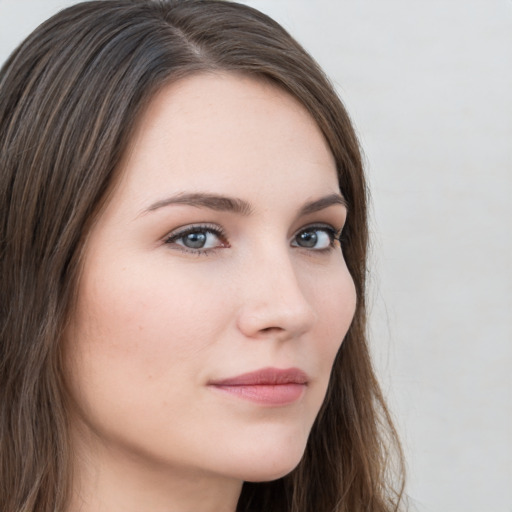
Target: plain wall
[(429, 87)]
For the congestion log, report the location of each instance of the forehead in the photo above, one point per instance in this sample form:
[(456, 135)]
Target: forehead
[(216, 130)]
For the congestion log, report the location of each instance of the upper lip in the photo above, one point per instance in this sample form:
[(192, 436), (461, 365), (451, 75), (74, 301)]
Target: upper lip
[(265, 376)]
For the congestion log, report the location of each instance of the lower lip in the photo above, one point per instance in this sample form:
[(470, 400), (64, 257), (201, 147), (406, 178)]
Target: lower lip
[(267, 394)]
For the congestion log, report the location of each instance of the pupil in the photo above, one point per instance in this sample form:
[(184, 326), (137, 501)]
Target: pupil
[(308, 239), (195, 240)]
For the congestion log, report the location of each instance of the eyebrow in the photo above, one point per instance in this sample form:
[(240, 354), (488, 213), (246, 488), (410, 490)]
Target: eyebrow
[(231, 204), (322, 203), (203, 200)]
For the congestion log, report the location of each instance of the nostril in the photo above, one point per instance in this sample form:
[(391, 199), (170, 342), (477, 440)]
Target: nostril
[(271, 329)]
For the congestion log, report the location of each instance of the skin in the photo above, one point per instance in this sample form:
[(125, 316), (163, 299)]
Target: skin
[(156, 322)]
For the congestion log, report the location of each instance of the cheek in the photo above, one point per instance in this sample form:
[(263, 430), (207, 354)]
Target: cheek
[(137, 346), (335, 302), (142, 319)]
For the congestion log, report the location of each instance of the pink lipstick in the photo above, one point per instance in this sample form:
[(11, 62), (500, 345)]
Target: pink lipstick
[(268, 386)]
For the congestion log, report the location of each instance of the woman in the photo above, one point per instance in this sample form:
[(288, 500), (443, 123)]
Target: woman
[(177, 181)]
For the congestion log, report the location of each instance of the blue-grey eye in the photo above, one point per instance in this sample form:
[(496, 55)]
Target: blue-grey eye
[(196, 238), (315, 238), (199, 239), (307, 239)]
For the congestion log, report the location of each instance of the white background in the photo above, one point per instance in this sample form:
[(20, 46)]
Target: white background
[(429, 87)]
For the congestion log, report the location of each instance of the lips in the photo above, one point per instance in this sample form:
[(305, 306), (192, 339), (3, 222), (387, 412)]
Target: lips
[(268, 386)]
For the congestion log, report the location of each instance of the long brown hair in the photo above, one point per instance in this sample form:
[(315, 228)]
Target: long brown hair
[(69, 98)]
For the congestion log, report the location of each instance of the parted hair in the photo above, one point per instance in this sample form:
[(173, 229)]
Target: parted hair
[(70, 96)]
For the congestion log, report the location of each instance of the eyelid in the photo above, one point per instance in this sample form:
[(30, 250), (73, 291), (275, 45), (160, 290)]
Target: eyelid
[(321, 225), (334, 216)]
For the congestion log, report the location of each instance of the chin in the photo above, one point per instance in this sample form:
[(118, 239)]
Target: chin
[(267, 474), (269, 466)]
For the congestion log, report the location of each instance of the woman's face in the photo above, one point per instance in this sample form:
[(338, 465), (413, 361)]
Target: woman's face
[(214, 294)]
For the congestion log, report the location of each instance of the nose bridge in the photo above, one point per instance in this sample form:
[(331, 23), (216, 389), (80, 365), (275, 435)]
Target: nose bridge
[(274, 298)]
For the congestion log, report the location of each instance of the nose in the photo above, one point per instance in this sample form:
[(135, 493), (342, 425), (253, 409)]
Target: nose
[(273, 303)]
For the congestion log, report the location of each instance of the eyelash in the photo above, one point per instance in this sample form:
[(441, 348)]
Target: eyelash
[(335, 237)]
